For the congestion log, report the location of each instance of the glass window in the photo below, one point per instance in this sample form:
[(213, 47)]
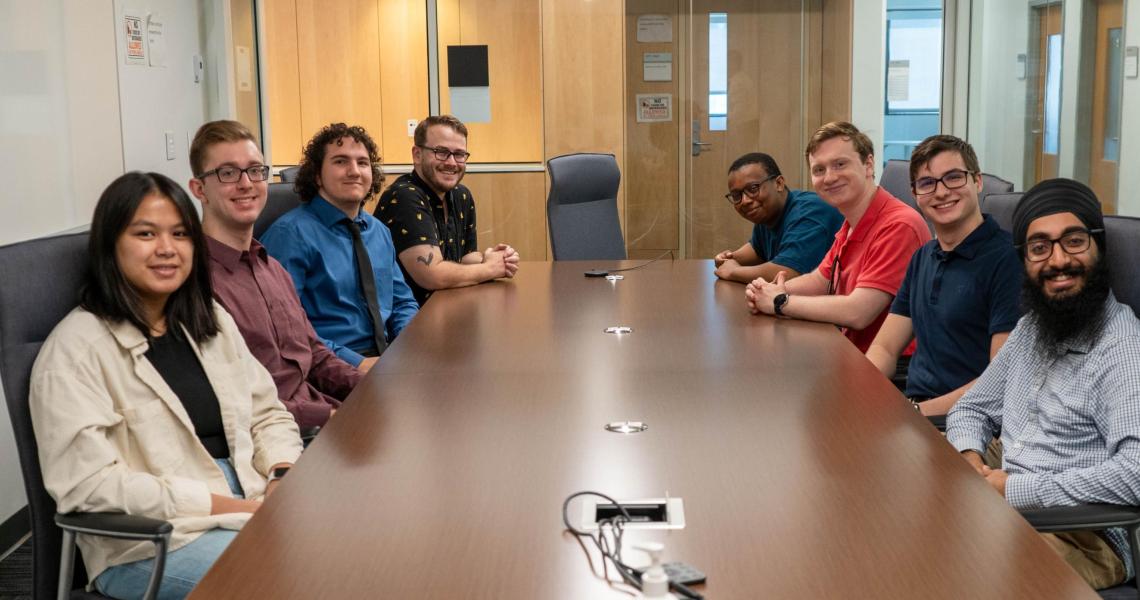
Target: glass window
[(1053, 95), (718, 71), (1112, 98)]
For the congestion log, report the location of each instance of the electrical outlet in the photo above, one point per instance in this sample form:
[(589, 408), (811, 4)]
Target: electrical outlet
[(412, 127), (169, 145)]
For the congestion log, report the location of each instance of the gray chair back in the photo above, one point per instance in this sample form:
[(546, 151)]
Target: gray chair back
[(581, 209), (282, 199), (896, 180), (1122, 236), (289, 174), (41, 285), (1000, 207)]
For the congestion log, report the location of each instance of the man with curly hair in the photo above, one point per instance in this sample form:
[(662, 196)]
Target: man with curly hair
[(342, 259)]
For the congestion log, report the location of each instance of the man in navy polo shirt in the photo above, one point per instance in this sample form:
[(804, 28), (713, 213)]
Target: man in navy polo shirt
[(792, 229), (960, 298)]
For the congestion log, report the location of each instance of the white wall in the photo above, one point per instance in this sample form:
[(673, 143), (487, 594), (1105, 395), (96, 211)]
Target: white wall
[(157, 99), (73, 117), (1128, 194), (868, 70)]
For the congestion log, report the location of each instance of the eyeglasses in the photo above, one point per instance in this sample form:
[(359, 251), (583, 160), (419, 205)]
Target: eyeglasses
[(833, 281), (230, 174), (749, 190), (951, 181), (1073, 242), (443, 154)]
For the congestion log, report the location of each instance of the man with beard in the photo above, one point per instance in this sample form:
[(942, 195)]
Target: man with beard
[(1064, 391), (792, 229), (432, 217)]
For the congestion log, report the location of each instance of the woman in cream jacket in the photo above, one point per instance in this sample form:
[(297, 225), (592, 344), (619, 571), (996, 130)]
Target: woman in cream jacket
[(145, 399)]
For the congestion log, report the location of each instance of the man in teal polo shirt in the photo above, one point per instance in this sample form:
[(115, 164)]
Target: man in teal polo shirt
[(792, 229)]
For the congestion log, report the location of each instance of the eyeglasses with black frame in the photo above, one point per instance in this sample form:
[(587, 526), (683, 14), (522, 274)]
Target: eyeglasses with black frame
[(231, 174), (749, 190), (951, 181), (1073, 242), (443, 154)]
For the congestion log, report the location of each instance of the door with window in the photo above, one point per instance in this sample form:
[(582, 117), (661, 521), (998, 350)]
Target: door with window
[(748, 95), (1045, 91), (1104, 151)]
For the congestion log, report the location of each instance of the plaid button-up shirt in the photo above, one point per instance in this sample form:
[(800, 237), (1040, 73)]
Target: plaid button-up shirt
[(1069, 421)]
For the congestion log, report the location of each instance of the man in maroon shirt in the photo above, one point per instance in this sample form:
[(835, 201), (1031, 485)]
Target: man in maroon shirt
[(231, 181)]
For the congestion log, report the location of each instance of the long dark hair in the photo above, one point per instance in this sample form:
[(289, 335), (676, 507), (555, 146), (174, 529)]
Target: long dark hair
[(107, 294)]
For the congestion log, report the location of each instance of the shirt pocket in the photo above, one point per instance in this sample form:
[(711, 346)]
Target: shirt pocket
[(152, 429)]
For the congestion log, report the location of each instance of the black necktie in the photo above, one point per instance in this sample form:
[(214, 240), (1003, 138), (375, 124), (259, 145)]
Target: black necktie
[(368, 284)]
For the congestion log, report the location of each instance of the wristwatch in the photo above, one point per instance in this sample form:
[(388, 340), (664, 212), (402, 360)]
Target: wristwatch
[(778, 303), (277, 473)]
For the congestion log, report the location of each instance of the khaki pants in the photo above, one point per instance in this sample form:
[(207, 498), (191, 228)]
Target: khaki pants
[(1090, 556)]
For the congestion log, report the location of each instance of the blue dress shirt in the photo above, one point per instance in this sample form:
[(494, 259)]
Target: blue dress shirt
[(312, 242), (802, 236)]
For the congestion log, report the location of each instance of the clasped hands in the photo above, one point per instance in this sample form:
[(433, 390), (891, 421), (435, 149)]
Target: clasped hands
[(504, 258), (995, 477), (761, 293)]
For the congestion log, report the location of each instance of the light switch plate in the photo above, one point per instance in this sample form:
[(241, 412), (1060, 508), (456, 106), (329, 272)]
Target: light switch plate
[(412, 127), (169, 145)]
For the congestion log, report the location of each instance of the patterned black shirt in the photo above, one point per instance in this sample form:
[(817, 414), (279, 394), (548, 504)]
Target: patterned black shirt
[(414, 214)]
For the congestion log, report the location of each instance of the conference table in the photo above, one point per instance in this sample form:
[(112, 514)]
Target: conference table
[(803, 472)]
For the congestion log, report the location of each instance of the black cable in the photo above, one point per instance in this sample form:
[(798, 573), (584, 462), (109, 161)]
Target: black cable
[(616, 524), (659, 257)]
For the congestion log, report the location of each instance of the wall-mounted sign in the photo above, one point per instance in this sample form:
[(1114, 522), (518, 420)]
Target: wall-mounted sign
[(654, 28), (134, 40), (657, 66), (653, 108)]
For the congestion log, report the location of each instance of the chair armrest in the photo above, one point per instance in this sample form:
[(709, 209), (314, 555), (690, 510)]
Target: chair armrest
[(938, 421), (115, 525), (1082, 517)]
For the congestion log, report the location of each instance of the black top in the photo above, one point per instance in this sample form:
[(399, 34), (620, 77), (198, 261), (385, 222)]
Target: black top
[(175, 360), (414, 214)]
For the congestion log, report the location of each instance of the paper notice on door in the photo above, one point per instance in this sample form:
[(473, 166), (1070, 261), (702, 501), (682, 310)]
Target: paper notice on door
[(898, 81), (657, 66), (654, 28), (156, 41), (653, 108)]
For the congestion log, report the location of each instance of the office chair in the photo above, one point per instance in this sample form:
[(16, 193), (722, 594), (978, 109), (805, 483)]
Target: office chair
[(1000, 207), (581, 209), (289, 174), (282, 199), (46, 274)]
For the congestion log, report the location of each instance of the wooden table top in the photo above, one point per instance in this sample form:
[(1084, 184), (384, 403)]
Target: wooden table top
[(803, 471)]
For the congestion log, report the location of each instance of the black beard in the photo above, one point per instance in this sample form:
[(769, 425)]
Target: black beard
[(1071, 317)]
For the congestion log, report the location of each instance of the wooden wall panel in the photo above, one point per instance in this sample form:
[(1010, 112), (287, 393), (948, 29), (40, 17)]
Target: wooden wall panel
[(652, 186), (339, 65), (835, 60), (511, 208), (512, 31), (282, 82), (403, 74), (583, 78)]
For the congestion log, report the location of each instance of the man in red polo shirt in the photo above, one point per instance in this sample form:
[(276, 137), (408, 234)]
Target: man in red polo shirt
[(854, 284)]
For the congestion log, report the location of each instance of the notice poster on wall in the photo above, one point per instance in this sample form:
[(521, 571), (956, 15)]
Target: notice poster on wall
[(657, 66), (134, 40), (156, 41), (654, 108), (654, 28), (898, 81)]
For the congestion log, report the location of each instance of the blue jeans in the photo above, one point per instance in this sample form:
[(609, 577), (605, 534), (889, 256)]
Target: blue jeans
[(184, 566)]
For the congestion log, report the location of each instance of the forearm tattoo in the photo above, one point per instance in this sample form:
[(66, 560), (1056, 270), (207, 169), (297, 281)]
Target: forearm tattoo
[(426, 259)]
